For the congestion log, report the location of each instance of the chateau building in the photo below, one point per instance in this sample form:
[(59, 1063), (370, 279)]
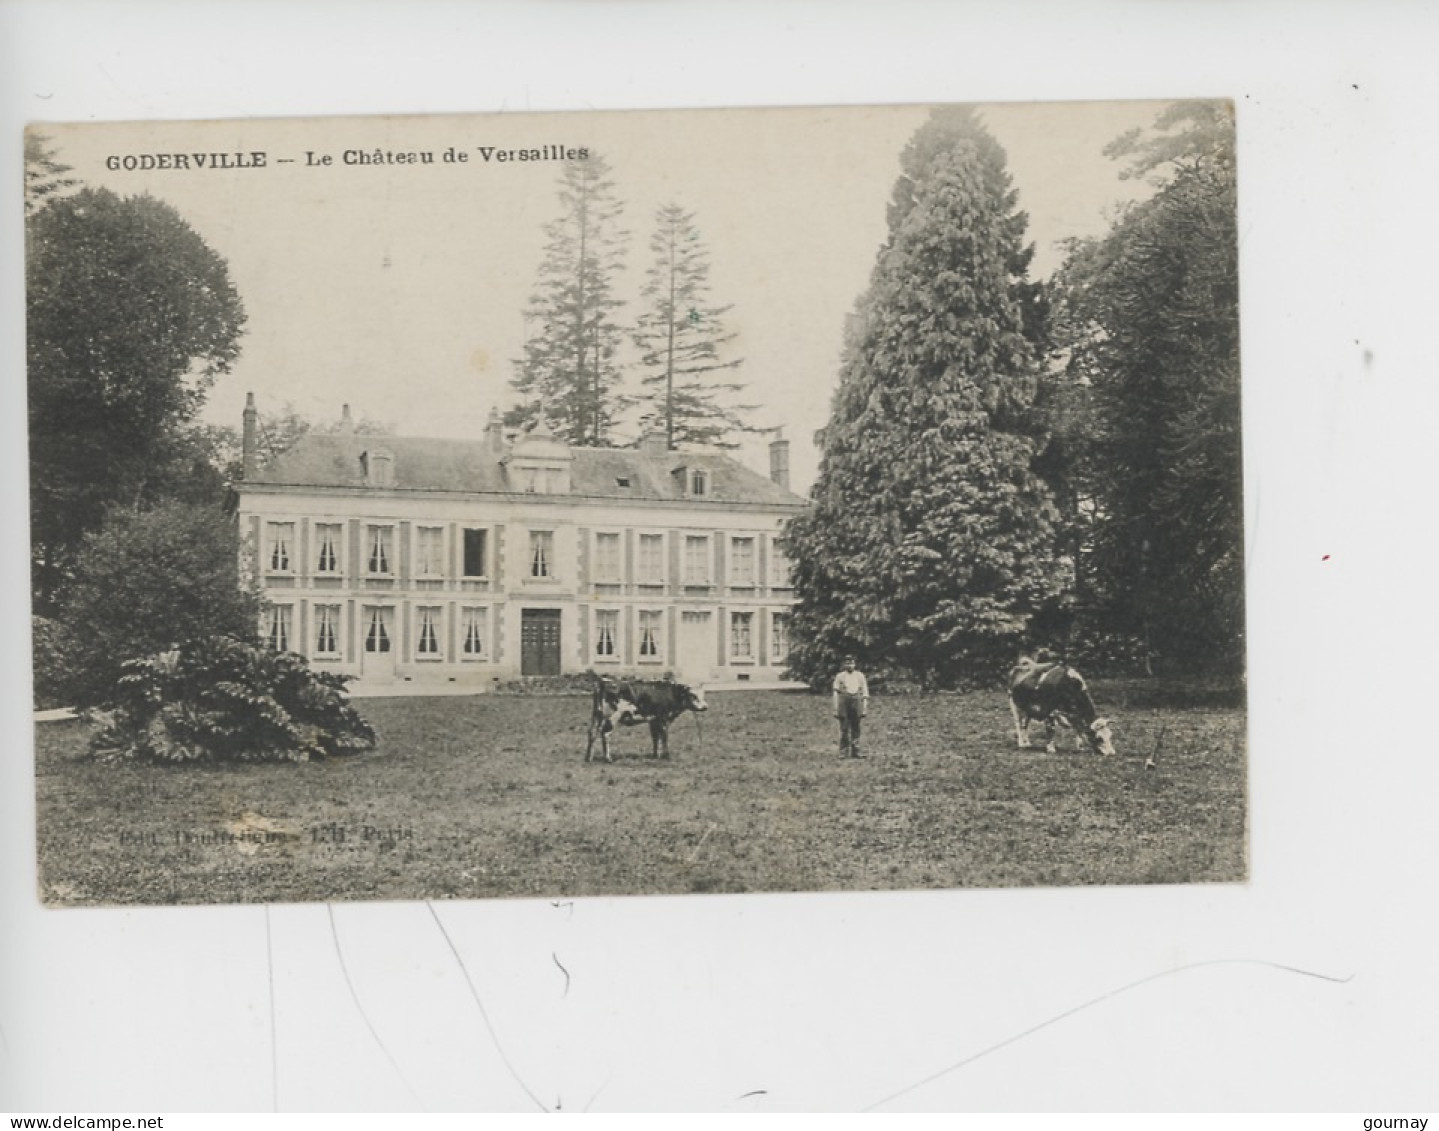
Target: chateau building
[(469, 561)]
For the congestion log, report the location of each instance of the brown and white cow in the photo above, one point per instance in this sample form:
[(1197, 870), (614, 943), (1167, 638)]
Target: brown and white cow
[(629, 702), (1050, 693)]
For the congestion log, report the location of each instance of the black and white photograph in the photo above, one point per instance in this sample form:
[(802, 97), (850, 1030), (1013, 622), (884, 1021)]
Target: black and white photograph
[(662, 502), (737, 558)]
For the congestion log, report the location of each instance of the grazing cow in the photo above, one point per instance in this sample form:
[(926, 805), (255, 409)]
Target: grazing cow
[(1055, 693), (629, 702)]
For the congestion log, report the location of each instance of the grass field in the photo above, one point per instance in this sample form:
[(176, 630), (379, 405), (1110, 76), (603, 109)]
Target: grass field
[(488, 796)]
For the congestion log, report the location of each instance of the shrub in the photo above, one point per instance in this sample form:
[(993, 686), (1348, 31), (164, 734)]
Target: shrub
[(55, 669), (146, 582), (222, 698)]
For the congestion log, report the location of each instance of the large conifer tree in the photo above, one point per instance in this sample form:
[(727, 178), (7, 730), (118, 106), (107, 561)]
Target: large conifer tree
[(569, 373), (681, 338), (931, 540)]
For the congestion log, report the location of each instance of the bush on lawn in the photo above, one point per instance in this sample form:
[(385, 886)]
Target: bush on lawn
[(55, 669), (221, 698), (571, 683), (146, 581)]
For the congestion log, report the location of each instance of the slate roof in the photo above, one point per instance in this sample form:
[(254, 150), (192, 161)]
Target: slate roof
[(472, 467)]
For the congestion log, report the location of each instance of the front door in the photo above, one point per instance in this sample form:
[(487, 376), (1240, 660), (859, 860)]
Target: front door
[(539, 641), (696, 660), (377, 659)]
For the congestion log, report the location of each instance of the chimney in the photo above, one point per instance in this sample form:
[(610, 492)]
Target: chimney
[(494, 432), (654, 442), (779, 461), (249, 445), (347, 422)]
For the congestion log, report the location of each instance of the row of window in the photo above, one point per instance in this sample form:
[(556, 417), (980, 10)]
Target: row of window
[(743, 643), (696, 566), (378, 633), (378, 550)]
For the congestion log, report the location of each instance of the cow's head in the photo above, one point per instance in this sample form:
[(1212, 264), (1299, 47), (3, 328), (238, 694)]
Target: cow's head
[(1099, 736), (694, 699)]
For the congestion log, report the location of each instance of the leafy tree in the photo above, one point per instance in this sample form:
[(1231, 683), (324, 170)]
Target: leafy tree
[(130, 317), (223, 698), (930, 544), (146, 582), (680, 337), (44, 173), (1150, 321), (569, 374)]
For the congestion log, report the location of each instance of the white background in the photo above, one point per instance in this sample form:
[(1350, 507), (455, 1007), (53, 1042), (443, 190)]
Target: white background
[(840, 1002)]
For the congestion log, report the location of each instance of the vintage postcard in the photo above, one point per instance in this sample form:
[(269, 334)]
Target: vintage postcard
[(519, 505)]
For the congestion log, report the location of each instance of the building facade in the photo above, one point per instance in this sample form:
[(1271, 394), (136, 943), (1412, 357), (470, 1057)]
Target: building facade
[(469, 562)]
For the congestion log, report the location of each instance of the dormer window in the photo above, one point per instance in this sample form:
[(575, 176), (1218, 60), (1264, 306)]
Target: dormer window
[(622, 481), (539, 464), (379, 466), (539, 479), (699, 482)]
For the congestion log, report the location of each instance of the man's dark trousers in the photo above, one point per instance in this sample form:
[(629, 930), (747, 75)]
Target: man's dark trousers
[(850, 714)]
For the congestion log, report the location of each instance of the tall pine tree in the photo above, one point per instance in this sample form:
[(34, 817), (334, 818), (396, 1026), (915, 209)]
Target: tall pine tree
[(930, 544), (681, 339), (569, 374)]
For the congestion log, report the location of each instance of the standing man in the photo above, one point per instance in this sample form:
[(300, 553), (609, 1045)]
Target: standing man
[(851, 704)]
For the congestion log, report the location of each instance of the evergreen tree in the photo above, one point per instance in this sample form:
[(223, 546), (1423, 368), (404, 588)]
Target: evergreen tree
[(569, 374), (930, 544), (1151, 325), (680, 338), (44, 174)]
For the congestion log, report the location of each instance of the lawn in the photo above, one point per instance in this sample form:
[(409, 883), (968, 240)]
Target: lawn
[(488, 796)]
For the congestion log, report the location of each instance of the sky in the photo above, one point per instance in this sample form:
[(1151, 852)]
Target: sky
[(400, 289)]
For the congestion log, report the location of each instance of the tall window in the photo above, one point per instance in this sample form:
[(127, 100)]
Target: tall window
[(699, 482), (741, 636), (282, 541), (277, 631), (327, 630), (381, 553), (474, 628), (741, 561), (651, 627), (377, 636), (607, 557), (327, 539), (607, 628), (652, 559), (475, 565), (697, 560), (429, 551), (779, 569), (778, 637), (428, 642), (542, 553)]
